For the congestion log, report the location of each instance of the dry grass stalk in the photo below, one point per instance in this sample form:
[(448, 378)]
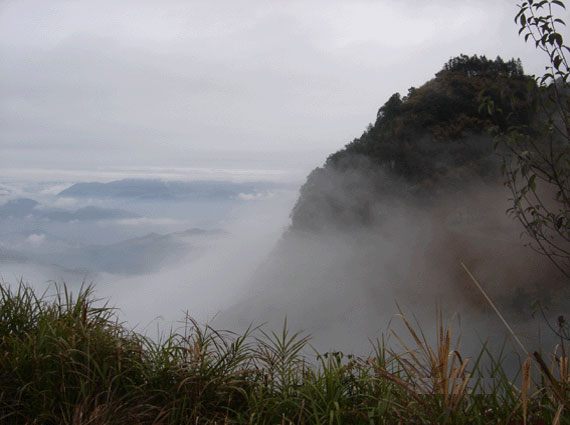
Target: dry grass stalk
[(438, 372), (563, 365), (560, 365), (560, 387), (525, 386), (383, 373), (492, 304), (558, 415)]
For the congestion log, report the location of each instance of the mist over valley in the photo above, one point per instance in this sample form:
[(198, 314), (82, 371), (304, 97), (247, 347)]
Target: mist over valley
[(298, 212), (389, 220), (79, 235)]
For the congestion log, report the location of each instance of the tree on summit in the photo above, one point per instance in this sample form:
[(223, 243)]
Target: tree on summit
[(479, 65)]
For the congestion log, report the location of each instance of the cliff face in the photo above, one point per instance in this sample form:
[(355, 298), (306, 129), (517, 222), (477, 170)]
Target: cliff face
[(392, 216)]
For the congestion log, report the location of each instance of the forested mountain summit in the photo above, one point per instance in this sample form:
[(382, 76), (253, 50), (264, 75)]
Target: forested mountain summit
[(436, 138)]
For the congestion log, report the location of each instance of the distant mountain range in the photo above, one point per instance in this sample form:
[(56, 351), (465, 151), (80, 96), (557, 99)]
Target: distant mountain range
[(24, 207), (167, 190), (90, 213)]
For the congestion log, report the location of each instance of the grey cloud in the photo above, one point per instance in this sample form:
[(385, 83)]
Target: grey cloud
[(162, 81)]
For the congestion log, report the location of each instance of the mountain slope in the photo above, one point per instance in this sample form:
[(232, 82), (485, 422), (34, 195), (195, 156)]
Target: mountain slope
[(434, 140), (392, 216)]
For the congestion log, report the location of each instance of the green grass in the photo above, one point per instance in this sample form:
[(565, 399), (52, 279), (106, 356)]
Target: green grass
[(67, 360)]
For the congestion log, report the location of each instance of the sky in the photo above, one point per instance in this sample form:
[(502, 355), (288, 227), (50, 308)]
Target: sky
[(220, 84)]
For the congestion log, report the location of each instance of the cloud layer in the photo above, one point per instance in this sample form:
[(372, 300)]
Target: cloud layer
[(195, 82)]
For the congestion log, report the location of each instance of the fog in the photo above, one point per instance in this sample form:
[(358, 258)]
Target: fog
[(205, 286), (154, 249), (251, 96), (335, 266), (339, 274)]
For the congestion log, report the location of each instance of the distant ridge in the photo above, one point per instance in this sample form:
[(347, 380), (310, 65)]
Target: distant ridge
[(166, 190), (23, 207)]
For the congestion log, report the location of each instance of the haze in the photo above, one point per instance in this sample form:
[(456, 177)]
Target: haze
[(223, 84), (244, 97)]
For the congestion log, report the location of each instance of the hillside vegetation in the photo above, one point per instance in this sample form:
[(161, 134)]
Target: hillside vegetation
[(394, 214), (436, 138)]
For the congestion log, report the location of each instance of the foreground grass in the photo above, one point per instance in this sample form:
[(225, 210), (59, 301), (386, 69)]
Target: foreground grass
[(67, 360)]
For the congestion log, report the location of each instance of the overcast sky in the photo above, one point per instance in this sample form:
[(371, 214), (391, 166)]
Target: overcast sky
[(227, 83)]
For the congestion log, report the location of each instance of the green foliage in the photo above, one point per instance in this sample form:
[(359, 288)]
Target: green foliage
[(480, 65), (66, 360), (433, 120), (537, 162), (60, 357), (436, 138)]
